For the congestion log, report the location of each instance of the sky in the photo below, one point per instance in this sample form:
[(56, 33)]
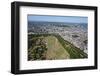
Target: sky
[(48, 18)]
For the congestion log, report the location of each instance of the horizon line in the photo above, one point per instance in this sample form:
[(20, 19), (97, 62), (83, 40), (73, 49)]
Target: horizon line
[(56, 21)]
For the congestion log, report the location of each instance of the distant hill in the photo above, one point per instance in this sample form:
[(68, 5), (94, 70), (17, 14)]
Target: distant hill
[(60, 24)]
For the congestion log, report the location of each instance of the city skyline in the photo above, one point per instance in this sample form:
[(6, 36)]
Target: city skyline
[(47, 18)]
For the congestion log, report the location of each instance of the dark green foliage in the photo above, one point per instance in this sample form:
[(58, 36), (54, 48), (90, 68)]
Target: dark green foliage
[(36, 48)]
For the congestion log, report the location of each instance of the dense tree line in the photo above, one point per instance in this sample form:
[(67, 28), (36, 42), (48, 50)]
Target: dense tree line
[(71, 49), (36, 48)]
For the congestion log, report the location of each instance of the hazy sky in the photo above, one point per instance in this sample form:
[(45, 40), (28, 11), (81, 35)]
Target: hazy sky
[(70, 19)]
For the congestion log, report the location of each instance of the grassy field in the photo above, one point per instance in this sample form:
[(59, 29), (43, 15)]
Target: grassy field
[(55, 49), (52, 47)]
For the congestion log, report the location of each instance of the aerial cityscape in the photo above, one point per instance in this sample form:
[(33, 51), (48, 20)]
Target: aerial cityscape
[(57, 37)]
